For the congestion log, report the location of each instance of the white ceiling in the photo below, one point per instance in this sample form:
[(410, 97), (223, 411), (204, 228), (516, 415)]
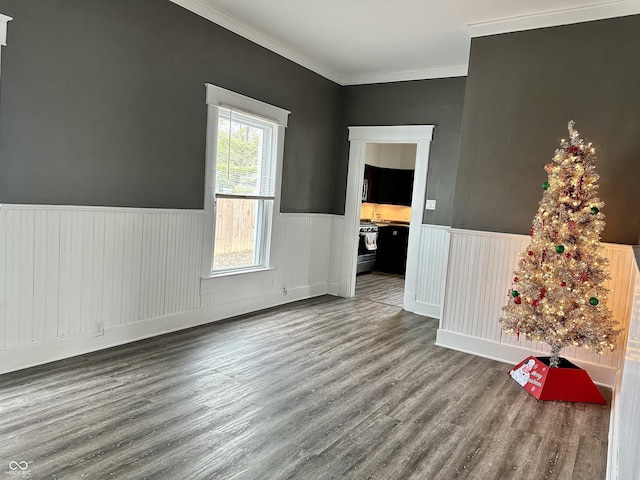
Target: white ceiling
[(369, 41)]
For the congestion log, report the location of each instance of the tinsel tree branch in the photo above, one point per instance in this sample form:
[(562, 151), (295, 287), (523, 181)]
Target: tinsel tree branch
[(558, 294)]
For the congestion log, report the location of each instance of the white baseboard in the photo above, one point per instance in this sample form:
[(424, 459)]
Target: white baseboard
[(511, 354), (25, 356), (334, 289), (428, 310), (253, 304), (409, 301), (421, 308), (612, 450)]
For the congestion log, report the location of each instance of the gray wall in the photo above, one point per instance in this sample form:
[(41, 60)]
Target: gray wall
[(102, 102), (424, 102), (522, 90)]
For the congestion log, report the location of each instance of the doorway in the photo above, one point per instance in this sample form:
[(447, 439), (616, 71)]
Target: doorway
[(385, 216), (359, 137)]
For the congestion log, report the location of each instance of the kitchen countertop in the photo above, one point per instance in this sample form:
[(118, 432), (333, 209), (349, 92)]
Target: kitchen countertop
[(392, 224)]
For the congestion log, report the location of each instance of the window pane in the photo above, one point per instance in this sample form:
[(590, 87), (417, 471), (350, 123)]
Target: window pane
[(239, 233), (245, 162)]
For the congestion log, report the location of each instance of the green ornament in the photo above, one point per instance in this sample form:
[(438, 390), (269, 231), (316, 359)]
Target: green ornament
[(515, 293), (545, 186), (594, 301), (595, 210), (560, 249)]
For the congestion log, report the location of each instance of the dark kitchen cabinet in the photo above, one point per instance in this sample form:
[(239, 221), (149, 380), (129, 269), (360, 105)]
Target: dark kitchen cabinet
[(370, 177), (391, 255), (404, 187), (388, 185)]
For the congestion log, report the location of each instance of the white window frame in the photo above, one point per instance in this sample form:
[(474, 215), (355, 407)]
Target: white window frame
[(4, 20), (220, 97)]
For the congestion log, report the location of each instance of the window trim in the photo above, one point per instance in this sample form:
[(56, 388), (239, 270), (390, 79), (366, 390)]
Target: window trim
[(4, 20), (218, 97)]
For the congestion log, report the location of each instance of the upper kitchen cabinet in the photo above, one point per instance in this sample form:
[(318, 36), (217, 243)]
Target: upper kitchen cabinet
[(389, 171), (388, 185), (369, 189), (404, 187)]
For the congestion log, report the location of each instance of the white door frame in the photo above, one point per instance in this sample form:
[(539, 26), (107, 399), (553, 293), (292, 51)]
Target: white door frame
[(421, 136)]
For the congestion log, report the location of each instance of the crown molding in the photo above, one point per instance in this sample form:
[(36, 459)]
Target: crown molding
[(402, 76), (568, 16), (220, 18), (202, 8), (554, 18)]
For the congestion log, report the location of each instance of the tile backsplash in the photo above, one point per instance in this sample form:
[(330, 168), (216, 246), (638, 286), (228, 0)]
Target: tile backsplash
[(380, 212)]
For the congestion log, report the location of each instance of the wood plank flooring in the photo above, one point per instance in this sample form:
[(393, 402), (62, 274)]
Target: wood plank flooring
[(326, 388), (381, 287)]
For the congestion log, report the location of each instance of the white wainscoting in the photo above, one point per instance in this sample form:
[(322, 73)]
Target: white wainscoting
[(74, 273), (624, 429), (480, 272), (78, 279), (433, 254), (337, 285), (306, 250), (303, 246)]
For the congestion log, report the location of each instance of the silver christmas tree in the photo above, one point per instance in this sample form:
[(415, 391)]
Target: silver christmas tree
[(557, 295)]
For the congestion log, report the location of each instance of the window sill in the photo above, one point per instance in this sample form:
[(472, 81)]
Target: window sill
[(233, 273), (235, 279)]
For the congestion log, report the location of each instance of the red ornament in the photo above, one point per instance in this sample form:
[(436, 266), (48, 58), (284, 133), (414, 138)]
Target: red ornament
[(535, 303), (543, 292), (571, 225), (563, 284), (516, 279), (530, 253), (572, 150), (568, 255), (584, 276), (517, 300), (531, 232)]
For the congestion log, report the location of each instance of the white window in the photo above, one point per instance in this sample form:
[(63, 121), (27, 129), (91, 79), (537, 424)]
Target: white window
[(3, 30), (244, 156)]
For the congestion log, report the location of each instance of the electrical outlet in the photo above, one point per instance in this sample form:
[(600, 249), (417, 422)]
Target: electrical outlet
[(430, 205), (98, 329), (284, 290)]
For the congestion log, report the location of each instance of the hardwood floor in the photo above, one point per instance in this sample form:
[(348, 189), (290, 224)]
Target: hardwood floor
[(381, 287), (326, 388)]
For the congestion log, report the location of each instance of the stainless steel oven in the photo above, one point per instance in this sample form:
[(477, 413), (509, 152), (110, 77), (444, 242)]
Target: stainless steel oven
[(367, 246)]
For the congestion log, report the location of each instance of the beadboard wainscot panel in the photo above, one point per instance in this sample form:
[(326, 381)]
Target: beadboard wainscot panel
[(77, 279), (302, 246), (3, 280), (306, 241), (432, 271), (336, 286), (624, 431), (479, 276)]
